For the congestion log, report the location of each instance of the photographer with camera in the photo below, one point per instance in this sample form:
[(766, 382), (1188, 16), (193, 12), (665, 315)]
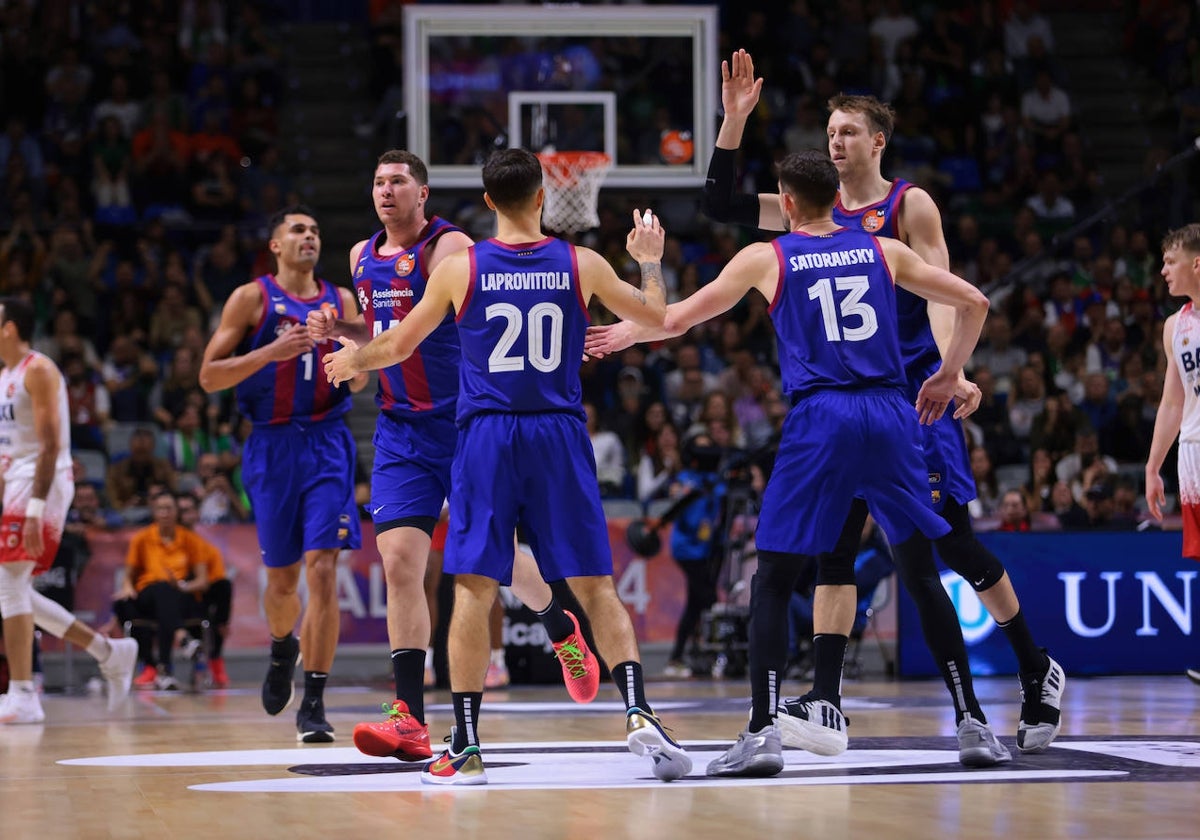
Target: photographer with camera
[(695, 538)]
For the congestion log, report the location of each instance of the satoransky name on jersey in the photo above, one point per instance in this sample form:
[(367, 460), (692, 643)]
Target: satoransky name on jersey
[(832, 259)]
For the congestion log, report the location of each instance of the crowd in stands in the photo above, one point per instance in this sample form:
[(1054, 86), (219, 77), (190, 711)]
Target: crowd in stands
[(141, 156)]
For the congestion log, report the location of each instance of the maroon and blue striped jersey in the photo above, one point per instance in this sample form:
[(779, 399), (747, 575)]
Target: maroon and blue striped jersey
[(388, 288), (295, 390)]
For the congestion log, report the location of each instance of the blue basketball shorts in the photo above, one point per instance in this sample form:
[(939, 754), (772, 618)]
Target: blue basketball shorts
[(300, 480), (536, 470), (411, 474), (837, 445)]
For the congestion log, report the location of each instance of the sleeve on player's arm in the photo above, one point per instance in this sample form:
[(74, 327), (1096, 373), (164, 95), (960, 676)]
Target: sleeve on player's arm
[(719, 202)]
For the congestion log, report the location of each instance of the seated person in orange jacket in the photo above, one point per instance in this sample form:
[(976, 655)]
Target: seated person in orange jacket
[(217, 599)]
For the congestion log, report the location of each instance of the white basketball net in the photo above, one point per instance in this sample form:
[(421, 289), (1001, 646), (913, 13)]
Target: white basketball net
[(572, 182)]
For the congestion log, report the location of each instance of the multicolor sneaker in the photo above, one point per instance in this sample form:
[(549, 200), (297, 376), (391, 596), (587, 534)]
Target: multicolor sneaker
[(279, 686), (978, 746), (646, 735), (449, 768), (758, 754), (811, 724), (497, 675), (118, 669), (220, 679), (401, 736), (311, 725), (147, 678), (581, 671), (1041, 709)]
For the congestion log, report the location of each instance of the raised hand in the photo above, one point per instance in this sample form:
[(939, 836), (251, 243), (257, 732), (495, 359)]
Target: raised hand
[(739, 89), (321, 323), (645, 241)]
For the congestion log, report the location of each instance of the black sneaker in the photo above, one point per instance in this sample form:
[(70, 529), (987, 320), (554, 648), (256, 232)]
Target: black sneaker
[(311, 726), (279, 688)]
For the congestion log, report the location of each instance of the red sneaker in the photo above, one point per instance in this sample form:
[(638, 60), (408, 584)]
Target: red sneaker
[(147, 678), (581, 671), (401, 736), (220, 679)]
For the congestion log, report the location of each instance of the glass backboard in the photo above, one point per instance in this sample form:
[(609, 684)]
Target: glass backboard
[(639, 83)]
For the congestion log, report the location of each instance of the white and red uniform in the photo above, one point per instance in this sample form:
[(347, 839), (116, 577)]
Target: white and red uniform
[(19, 448)]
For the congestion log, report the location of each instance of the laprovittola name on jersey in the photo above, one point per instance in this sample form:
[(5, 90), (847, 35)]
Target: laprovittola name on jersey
[(519, 281), (832, 259)]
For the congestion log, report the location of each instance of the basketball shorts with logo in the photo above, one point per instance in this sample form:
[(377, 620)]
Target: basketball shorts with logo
[(534, 469), (837, 445), (411, 474), (300, 480), (1189, 496), (946, 456), (17, 493)]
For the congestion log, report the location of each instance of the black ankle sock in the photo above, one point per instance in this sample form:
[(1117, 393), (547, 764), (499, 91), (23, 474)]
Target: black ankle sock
[(829, 655), (314, 685), (957, 675), (558, 626), (408, 671), (466, 719), (764, 697), (1031, 659), (628, 677)]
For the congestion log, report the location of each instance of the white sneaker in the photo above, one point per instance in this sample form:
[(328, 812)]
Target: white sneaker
[(118, 670), (1041, 710), (676, 670), (21, 707), (814, 725), (166, 682)]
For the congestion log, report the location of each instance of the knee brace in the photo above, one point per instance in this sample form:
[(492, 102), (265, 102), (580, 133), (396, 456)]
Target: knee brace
[(16, 589), (51, 616), (963, 553), (836, 569)]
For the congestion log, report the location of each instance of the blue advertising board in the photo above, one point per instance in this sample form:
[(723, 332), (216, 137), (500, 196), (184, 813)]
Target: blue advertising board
[(1100, 602)]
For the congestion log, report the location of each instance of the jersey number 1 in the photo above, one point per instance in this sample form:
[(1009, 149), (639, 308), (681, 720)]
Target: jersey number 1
[(545, 321), (852, 307)]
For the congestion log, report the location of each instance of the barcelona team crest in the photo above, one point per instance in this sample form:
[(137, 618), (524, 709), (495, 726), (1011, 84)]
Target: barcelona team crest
[(358, 271), (936, 495), (280, 309), (873, 220), (405, 263)]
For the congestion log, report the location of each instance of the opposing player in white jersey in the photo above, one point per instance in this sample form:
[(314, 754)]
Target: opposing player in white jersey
[(35, 465), (1179, 408)]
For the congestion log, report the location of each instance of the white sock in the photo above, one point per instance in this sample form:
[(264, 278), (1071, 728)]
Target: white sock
[(22, 687), (99, 648), (498, 658), (428, 657)]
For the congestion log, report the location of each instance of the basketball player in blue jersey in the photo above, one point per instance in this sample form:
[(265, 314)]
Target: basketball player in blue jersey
[(852, 432), (298, 463), (858, 130), (415, 437), (523, 451)]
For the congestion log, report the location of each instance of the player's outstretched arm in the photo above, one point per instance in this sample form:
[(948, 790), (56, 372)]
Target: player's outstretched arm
[(739, 96), (220, 368), (394, 345), (1166, 424), (754, 267)]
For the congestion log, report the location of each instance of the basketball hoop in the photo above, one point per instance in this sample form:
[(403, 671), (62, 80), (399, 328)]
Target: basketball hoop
[(572, 181)]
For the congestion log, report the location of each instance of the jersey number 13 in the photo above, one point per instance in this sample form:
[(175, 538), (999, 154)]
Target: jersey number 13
[(852, 307)]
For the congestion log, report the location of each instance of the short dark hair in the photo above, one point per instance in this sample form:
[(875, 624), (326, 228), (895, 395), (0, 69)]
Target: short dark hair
[(880, 115), (809, 177), (20, 312), (281, 216), (416, 166), (511, 177), (1186, 238)]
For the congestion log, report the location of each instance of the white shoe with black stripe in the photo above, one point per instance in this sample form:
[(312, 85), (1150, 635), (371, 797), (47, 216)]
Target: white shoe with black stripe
[(1041, 709), (814, 725)]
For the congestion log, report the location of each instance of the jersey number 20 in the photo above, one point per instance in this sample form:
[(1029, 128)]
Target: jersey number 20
[(852, 307), (545, 330)]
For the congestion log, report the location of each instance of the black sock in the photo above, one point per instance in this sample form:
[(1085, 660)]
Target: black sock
[(957, 674), (558, 626), (764, 697), (628, 677), (466, 719), (1031, 659), (281, 646), (408, 671), (314, 685), (829, 655)]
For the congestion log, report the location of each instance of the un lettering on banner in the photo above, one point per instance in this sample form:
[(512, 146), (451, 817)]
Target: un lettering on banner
[(1101, 603)]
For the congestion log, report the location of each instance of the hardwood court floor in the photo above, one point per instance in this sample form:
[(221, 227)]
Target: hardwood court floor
[(213, 765)]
